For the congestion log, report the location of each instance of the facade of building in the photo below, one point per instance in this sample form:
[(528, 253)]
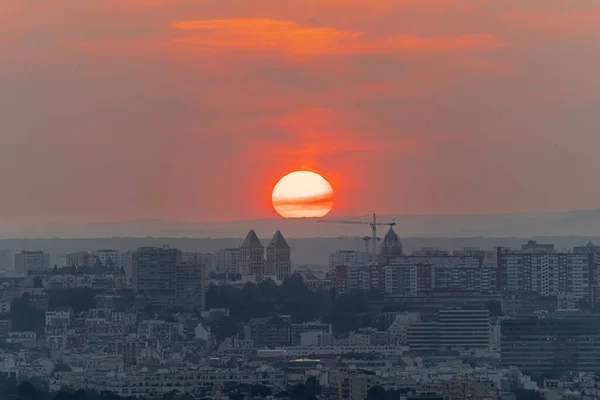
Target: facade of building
[(552, 343), (161, 279), (252, 256), (452, 329), (346, 258), (542, 270), (226, 261), (278, 261), (26, 260)]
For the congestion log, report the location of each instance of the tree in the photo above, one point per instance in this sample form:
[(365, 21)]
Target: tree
[(313, 386), (26, 391), (37, 283), (524, 394), (65, 396), (299, 392), (376, 393), (495, 308), (260, 390)]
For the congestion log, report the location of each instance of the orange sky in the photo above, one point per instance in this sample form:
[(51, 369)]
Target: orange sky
[(192, 110)]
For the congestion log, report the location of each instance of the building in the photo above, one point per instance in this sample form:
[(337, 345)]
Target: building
[(346, 258), (391, 246), (278, 261), (117, 258), (78, 259), (252, 256), (540, 269), (6, 260), (464, 328), (552, 343), (452, 329), (226, 261), (161, 279), (190, 285), (418, 274), (269, 332), (26, 260), (359, 277), (205, 259)]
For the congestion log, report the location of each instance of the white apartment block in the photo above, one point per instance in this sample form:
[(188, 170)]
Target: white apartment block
[(549, 273)]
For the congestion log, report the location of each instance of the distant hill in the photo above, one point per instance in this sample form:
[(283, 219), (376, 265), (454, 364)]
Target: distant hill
[(584, 223)]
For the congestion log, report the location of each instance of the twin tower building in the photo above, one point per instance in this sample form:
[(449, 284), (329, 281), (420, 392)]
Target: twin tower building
[(277, 263)]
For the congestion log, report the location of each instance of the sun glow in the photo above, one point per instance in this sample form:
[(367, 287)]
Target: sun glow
[(302, 194)]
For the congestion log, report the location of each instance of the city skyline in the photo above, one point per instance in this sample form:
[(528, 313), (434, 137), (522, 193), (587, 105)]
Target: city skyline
[(191, 111)]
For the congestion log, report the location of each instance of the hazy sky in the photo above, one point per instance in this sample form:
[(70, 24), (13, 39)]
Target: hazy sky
[(192, 110)]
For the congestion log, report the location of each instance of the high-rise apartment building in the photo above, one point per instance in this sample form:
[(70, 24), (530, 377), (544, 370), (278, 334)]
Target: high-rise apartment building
[(161, 279), (26, 260), (278, 261), (252, 256), (542, 270), (226, 261)]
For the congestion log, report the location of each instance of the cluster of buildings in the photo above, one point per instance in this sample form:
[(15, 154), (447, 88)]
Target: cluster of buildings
[(462, 325), (535, 268)]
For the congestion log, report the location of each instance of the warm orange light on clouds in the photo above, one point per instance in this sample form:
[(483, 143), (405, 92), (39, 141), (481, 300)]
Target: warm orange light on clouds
[(192, 110), (298, 39)]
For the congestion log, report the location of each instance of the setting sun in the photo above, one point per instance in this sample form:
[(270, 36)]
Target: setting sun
[(302, 194)]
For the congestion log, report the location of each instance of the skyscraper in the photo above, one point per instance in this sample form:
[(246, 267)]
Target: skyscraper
[(279, 257)]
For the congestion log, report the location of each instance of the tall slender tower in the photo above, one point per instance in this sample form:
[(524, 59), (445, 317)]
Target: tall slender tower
[(252, 255), (278, 257)]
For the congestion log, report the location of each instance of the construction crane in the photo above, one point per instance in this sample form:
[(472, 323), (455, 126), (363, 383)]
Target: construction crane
[(374, 223), (366, 239)]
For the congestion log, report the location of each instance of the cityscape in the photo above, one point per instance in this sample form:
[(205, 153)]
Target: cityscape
[(156, 322), (299, 200)]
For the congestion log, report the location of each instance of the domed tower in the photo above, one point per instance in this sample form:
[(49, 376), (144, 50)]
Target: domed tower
[(391, 246), (252, 255), (278, 257)]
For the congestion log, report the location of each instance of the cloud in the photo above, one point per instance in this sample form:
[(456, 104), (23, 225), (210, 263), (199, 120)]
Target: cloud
[(573, 20), (299, 39)]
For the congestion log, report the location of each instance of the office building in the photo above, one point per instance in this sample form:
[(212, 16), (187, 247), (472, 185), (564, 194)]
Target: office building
[(26, 260), (452, 329), (552, 343), (278, 261)]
